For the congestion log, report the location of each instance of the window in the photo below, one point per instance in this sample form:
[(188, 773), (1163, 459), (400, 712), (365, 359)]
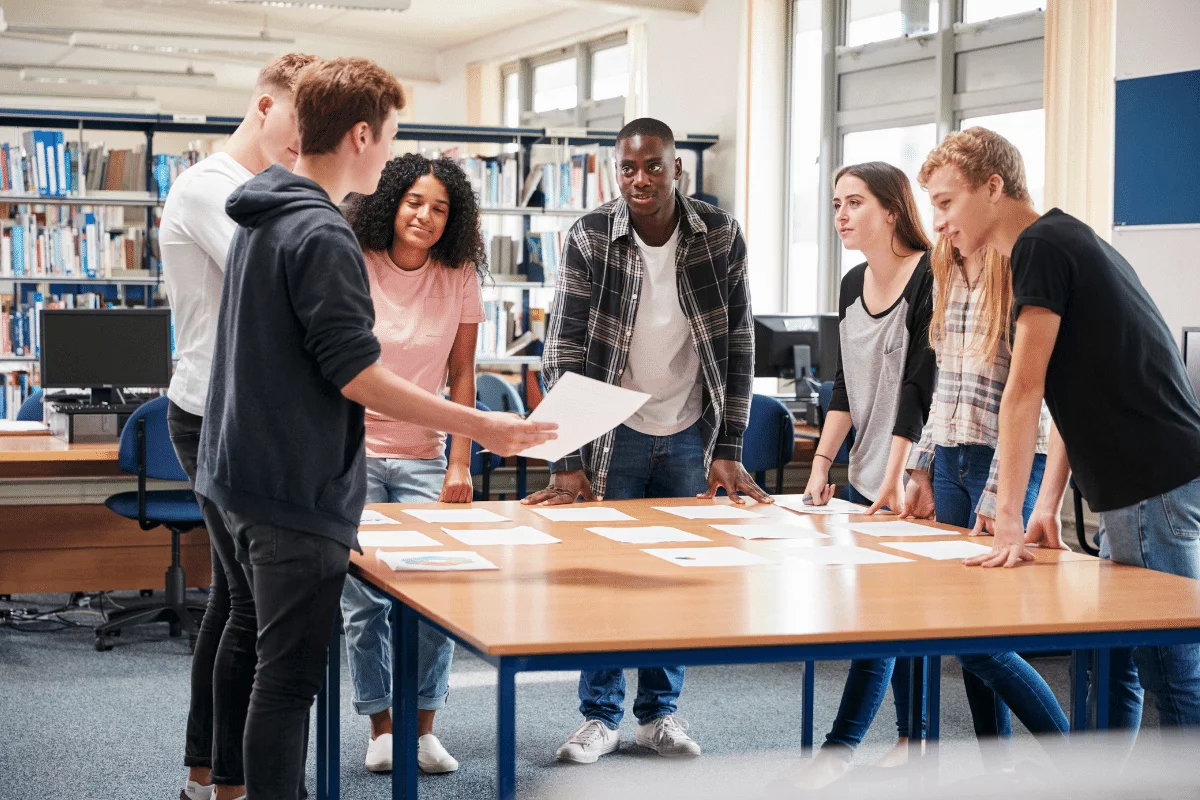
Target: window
[(610, 72), (555, 86), (980, 10), (877, 20), (512, 99), (583, 85), (1027, 131), (804, 184)]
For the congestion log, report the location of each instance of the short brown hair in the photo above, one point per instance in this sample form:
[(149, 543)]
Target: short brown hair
[(334, 96), (979, 154), (281, 73)]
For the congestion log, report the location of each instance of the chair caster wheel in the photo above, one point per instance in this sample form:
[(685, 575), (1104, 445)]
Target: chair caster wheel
[(103, 644), (146, 593), (175, 630)]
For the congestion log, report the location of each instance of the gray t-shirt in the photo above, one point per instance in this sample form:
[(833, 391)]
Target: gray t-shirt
[(886, 372)]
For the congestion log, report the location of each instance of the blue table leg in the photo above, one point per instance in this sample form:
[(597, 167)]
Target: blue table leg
[(1079, 691), (1100, 678), (935, 698), (916, 708), (404, 701), (806, 712), (506, 745)]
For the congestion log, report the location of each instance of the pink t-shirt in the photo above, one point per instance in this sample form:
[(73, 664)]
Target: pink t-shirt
[(417, 314)]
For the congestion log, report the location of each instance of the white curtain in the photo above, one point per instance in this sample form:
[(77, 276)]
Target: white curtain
[(635, 97)]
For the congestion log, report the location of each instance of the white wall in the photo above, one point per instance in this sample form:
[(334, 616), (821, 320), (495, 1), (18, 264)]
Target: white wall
[(1155, 37)]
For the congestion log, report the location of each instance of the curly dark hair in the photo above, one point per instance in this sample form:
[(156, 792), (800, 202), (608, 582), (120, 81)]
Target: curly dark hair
[(373, 217)]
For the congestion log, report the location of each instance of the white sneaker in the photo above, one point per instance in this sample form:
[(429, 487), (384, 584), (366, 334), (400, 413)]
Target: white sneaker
[(197, 791), (588, 742), (379, 754), (432, 758), (667, 736)]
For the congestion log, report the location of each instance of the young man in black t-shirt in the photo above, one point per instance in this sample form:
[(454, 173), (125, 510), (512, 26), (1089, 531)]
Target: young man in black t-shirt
[(1089, 338)]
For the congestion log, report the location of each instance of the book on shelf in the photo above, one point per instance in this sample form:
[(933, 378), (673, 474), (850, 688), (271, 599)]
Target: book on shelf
[(67, 242), (580, 181), (15, 386)]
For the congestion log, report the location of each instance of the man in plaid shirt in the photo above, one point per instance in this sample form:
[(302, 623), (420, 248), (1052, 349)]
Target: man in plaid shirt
[(652, 295)]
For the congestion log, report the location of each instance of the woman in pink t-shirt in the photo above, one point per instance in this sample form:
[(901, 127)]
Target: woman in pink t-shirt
[(425, 259)]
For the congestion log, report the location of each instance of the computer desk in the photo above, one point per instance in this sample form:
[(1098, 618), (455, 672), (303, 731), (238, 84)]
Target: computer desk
[(81, 547), (582, 604)]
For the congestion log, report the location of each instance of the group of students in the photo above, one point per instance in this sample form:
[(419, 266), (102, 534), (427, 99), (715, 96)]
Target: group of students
[(316, 343)]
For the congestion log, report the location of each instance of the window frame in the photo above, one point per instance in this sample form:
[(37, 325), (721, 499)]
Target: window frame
[(586, 110)]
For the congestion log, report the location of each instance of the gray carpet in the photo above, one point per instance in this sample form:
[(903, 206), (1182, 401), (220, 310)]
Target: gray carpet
[(75, 723)]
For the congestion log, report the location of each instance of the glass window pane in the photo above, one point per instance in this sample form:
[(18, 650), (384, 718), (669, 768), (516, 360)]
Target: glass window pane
[(906, 148), (512, 100), (554, 86), (980, 10), (610, 72), (1027, 131), (877, 20), (804, 182)]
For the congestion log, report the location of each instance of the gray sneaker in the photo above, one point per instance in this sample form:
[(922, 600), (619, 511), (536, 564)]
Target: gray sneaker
[(667, 736), (588, 742)]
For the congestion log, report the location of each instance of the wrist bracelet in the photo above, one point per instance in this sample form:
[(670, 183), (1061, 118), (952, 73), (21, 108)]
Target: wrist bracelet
[(821, 455)]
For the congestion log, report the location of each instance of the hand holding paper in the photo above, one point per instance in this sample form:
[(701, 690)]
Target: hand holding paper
[(584, 409)]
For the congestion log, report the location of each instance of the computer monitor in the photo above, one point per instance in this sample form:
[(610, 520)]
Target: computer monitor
[(776, 337), (105, 350), (1191, 356)]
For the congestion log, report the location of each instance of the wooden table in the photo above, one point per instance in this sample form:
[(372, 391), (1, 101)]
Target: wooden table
[(81, 546), (581, 604)]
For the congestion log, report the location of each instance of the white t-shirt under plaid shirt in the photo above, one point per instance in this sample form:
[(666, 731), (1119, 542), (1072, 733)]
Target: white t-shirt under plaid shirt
[(966, 402)]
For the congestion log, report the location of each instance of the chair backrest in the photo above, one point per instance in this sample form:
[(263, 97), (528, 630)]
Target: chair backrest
[(825, 396), (477, 461), (770, 436), (31, 410), (161, 462), (497, 393)]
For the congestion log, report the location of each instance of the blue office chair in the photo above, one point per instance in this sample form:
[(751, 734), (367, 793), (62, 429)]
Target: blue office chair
[(500, 395), (481, 463), (146, 451), (31, 410), (769, 440)]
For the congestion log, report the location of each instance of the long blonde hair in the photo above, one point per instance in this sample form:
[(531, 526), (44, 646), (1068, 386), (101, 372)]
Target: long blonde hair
[(993, 317)]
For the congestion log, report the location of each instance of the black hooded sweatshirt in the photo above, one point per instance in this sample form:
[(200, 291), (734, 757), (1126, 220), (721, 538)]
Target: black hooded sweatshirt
[(280, 444)]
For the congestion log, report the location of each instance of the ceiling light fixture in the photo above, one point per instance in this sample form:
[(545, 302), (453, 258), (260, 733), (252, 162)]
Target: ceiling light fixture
[(392, 6), (122, 77), (155, 43)]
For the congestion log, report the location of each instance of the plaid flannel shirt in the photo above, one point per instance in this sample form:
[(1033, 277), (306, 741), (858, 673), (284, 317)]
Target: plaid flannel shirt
[(966, 403), (596, 302)]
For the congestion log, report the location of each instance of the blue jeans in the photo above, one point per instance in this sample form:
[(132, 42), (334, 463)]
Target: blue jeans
[(1161, 533), (645, 466), (365, 609)]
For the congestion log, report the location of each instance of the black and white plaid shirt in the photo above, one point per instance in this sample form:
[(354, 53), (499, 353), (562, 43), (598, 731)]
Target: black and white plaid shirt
[(595, 304)]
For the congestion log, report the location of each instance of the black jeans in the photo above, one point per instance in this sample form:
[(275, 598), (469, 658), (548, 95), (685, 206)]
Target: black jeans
[(224, 660), (297, 581)]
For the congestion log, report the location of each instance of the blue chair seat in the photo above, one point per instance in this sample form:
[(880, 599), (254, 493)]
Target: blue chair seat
[(171, 505)]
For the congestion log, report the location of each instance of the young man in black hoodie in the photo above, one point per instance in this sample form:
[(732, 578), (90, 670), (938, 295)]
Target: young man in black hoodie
[(294, 364)]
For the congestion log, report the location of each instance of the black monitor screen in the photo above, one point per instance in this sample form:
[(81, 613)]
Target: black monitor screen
[(112, 347), (1191, 356)]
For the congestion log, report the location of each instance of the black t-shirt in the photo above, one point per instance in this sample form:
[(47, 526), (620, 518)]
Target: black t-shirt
[(1116, 384)]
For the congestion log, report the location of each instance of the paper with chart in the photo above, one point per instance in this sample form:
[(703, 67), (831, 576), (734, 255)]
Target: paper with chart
[(585, 409), (651, 534), (709, 556), (439, 515), (586, 514), (447, 561), (831, 555), (896, 527), (771, 531), (522, 534), (708, 512), (943, 551), (795, 502), (372, 517), (395, 539)]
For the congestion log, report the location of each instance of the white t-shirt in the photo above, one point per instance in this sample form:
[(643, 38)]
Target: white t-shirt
[(194, 237), (662, 358)]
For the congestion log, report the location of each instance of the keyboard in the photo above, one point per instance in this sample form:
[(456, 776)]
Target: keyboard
[(98, 408)]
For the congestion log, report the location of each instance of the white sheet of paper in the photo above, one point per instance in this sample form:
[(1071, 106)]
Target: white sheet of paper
[(795, 502), (522, 534), (837, 554), (771, 531), (593, 514), (13, 426), (709, 556), (396, 539), (439, 515), (708, 512), (447, 561), (648, 535), (895, 527), (585, 409), (372, 517), (943, 551)]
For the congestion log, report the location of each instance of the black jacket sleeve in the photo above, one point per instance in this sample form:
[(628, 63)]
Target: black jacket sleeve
[(851, 290), (920, 363)]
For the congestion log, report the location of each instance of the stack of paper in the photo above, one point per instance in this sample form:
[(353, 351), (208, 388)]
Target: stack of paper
[(464, 515), (708, 512), (709, 556), (449, 561), (395, 539), (648, 535), (522, 534)]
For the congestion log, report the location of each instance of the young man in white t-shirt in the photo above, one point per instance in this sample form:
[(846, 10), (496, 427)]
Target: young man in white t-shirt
[(194, 236)]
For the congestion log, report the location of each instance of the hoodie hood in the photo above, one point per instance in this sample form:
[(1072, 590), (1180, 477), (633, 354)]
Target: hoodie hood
[(270, 193)]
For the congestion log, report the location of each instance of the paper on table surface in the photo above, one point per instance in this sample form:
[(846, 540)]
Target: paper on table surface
[(448, 561), (395, 539), (585, 409), (522, 534), (708, 512), (13, 426), (895, 527), (372, 517), (593, 514), (648, 535), (795, 502), (945, 551), (436, 515), (771, 531), (838, 554), (708, 556)]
